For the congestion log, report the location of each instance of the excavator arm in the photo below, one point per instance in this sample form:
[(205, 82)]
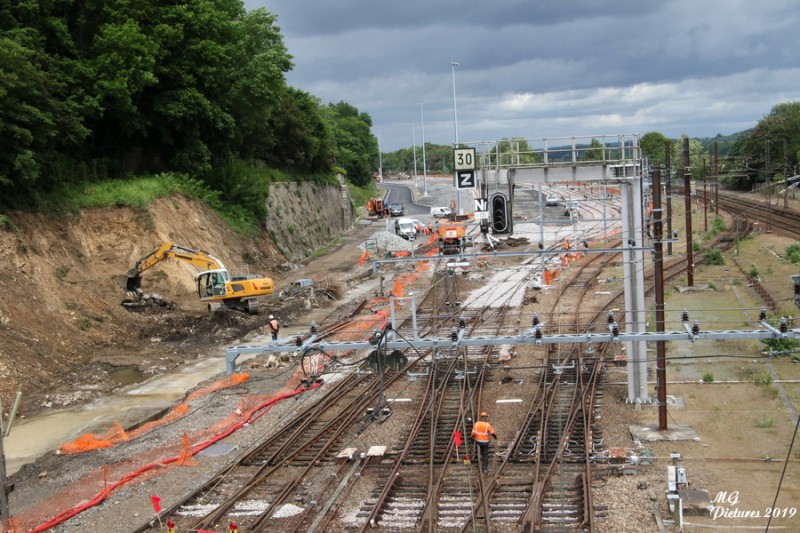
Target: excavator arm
[(168, 250)]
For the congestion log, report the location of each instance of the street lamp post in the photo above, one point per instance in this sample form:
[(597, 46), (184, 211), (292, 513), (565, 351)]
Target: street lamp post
[(453, 65), (424, 164), (414, 145), (380, 159)]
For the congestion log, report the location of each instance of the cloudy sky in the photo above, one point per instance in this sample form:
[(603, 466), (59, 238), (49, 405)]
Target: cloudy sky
[(544, 68)]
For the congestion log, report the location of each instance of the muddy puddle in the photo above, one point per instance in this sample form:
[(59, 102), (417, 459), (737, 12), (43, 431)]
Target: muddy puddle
[(46, 431)]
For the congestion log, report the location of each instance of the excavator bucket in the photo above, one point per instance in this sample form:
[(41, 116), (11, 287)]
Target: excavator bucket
[(131, 283)]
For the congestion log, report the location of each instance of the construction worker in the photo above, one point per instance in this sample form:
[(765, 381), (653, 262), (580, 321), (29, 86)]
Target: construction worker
[(481, 432), (274, 327)]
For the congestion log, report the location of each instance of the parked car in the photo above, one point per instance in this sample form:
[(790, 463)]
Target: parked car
[(551, 200), (440, 212), (405, 228), (396, 210)]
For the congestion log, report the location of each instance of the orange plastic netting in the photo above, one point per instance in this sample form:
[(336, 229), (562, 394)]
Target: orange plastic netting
[(90, 441)]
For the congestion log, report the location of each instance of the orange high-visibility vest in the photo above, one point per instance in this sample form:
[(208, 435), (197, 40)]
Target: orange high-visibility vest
[(481, 431)]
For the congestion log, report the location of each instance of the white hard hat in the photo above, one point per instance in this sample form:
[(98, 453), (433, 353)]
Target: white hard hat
[(271, 317)]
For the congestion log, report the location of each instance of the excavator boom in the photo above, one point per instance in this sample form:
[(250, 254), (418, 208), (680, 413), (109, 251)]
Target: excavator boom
[(198, 258)]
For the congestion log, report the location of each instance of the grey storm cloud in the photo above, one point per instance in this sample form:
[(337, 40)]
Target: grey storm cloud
[(535, 69)]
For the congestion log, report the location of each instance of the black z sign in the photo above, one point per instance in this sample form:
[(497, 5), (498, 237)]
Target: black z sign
[(466, 179)]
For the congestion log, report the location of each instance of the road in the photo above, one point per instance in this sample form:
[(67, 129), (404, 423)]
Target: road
[(402, 194)]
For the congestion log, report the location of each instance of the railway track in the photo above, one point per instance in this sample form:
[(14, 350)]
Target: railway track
[(769, 217)]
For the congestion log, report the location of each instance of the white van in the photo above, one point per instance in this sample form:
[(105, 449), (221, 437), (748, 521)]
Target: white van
[(405, 228), (440, 212)]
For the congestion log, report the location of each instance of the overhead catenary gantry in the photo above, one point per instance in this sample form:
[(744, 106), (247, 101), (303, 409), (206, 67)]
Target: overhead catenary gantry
[(534, 335)]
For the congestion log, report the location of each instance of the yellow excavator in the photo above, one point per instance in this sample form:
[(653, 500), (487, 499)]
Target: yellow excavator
[(215, 285)]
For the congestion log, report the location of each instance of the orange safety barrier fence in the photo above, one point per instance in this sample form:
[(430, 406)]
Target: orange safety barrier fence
[(397, 292), (185, 458), (224, 383)]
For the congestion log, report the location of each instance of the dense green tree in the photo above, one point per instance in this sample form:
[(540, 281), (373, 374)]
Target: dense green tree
[(761, 153), (402, 161), (355, 147), (653, 145), (299, 136), (39, 117), (27, 114), (98, 88)]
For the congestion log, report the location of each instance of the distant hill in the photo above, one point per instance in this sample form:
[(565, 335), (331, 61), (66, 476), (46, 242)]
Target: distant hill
[(724, 142)]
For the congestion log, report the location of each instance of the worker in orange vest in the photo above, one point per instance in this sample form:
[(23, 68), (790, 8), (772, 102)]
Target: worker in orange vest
[(274, 327), (481, 432)]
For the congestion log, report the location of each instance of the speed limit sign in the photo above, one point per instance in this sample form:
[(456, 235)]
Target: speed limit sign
[(464, 158)]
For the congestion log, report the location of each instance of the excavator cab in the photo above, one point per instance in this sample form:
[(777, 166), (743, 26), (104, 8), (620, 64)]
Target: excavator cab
[(212, 283)]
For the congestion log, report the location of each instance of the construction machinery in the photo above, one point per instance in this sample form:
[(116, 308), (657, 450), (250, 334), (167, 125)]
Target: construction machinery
[(376, 207), (452, 238), (215, 285)]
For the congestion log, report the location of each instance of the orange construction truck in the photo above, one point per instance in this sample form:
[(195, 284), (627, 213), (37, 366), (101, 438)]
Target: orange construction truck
[(451, 238), (376, 207)]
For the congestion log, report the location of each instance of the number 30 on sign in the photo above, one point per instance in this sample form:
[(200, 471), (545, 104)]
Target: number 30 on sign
[(464, 158)]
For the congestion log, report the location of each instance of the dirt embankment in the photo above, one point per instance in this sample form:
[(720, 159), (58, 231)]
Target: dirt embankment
[(62, 328)]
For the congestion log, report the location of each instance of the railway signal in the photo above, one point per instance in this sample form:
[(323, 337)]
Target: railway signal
[(500, 214)]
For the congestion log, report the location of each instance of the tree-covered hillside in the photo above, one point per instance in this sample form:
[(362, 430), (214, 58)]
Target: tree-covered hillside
[(767, 153), (96, 89)]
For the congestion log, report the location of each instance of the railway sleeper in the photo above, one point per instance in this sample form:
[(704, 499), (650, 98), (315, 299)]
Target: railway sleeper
[(508, 512)]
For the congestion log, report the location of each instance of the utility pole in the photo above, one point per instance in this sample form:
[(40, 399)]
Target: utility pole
[(767, 181), (785, 176), (705, 199), (668, 191), (716, 178), (766, 170), (658, 274), (687, 192)]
